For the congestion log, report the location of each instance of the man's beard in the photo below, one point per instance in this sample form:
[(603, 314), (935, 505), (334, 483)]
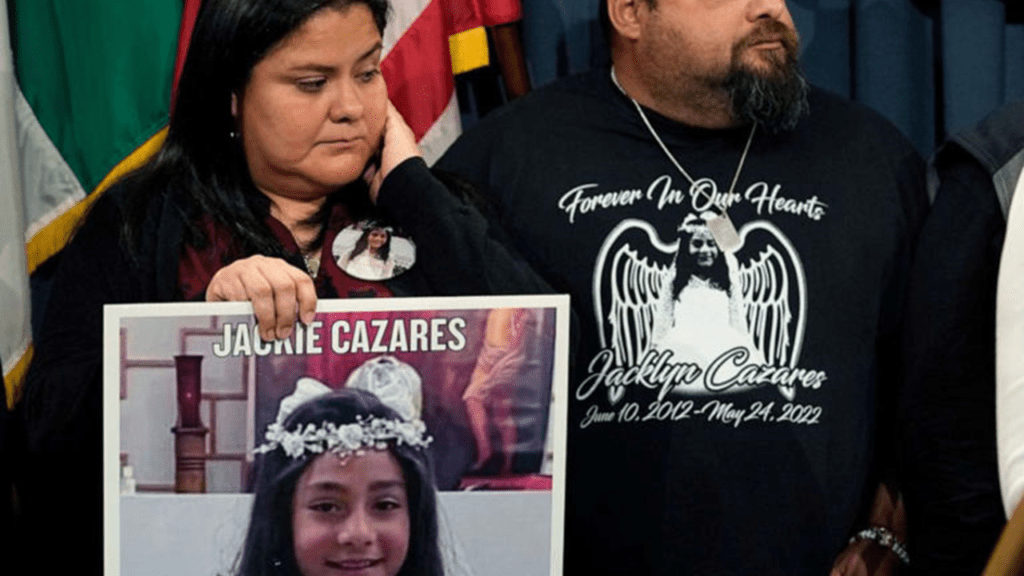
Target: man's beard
[(777, 98)]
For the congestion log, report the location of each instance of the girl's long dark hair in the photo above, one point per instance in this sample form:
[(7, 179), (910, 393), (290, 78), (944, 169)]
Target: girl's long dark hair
[(686, 267), (201, 160), (364, 241), (268, 548)]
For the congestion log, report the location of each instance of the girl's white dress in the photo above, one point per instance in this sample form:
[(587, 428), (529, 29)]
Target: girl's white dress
[(368, 267)]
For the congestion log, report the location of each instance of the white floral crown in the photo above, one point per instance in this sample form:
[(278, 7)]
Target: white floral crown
[(347, 439), (344, 440), (693, 222)]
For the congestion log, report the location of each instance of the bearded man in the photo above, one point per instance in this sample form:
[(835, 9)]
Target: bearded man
[(768, 461)]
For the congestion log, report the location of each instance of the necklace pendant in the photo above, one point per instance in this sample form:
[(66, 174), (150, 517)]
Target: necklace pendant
[(312, 262), (724, 233), (721, 227)]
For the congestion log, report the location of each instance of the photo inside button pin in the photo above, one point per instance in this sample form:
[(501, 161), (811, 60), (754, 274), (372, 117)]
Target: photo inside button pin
[(724, 233)]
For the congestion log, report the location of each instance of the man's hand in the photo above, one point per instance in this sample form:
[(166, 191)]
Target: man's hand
[(867, 557), (279, 293)]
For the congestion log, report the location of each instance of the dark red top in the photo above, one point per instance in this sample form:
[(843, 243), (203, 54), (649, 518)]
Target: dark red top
[(197, 266)]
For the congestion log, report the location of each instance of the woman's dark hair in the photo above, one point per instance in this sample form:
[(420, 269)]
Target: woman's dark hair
[(268, 548), (364, 241), (201, 159)]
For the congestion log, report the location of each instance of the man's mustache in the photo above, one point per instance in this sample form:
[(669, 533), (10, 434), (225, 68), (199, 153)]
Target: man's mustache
[(771, 31)]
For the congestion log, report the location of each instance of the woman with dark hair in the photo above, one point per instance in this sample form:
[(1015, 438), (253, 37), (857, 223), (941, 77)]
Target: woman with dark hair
[(370, 258), (357, 495), (282, 135)]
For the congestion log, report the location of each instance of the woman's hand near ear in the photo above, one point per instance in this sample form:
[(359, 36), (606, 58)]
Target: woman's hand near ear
[(398, 146)]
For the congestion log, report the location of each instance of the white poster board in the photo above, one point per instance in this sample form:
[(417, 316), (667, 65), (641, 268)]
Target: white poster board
[(502, 518)]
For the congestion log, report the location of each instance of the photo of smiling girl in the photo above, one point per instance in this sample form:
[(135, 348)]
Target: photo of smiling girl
[(343, 486), (370, 250), (369, 258)]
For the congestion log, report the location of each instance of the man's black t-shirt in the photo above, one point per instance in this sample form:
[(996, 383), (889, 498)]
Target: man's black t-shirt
[(723, 406)]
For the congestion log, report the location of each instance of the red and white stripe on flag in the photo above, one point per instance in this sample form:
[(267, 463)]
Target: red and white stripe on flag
[(417, 63)]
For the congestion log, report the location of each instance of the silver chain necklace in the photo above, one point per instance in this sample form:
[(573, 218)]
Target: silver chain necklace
[(721, 226)]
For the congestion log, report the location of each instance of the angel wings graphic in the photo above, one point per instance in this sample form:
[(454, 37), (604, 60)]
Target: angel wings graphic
[(689, 297)]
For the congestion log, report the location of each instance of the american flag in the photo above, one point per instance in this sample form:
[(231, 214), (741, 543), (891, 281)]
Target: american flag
[(418, 65)]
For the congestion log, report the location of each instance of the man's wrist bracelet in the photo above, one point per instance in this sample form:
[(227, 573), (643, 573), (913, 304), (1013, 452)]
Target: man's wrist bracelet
[(886, 538)]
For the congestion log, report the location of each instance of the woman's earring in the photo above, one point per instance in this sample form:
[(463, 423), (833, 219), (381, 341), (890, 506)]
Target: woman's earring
[(233, 135)]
